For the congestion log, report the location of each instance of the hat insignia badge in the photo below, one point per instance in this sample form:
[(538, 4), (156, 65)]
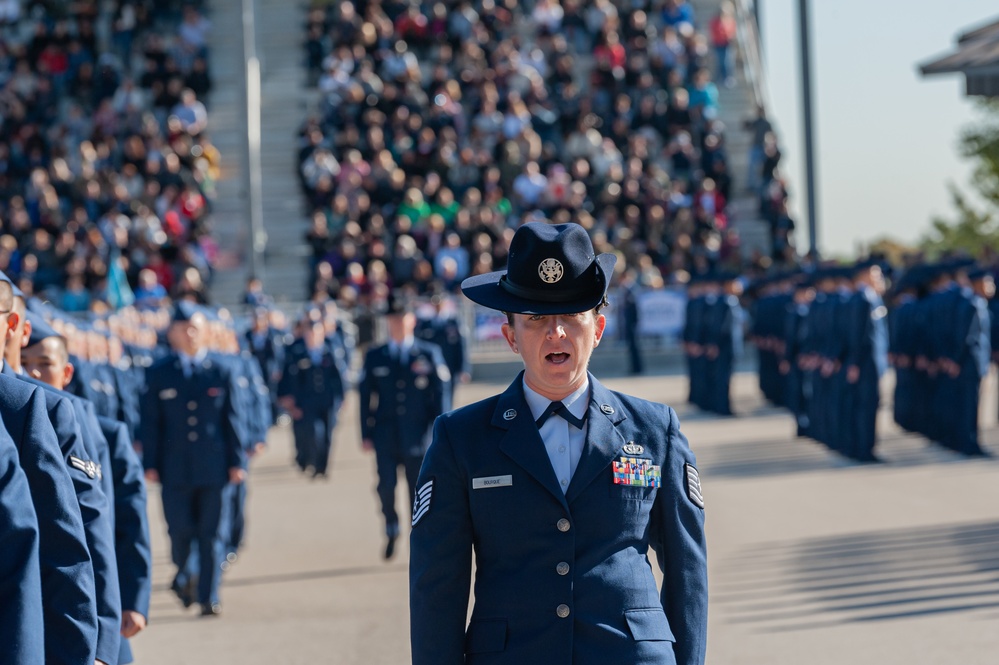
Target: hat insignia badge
[(550, 271)]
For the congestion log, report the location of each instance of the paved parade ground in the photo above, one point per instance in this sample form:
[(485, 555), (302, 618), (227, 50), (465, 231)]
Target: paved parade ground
[(812, 560)]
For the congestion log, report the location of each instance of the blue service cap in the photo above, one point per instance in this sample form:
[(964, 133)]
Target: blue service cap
[(978, 272), (184, 311), (40, 328)]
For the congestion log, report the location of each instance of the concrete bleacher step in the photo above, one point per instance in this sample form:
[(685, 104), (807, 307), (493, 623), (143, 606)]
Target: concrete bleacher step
[(283, 102)]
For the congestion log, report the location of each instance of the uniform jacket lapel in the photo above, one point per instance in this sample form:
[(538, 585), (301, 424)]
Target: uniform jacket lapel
[(521, 441), (603, 440)]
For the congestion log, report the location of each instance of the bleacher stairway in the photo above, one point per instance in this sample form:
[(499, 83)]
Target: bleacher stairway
[(284, 100)]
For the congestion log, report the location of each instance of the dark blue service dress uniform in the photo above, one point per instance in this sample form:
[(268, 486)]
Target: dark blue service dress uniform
[(255, 416), (316, 381), (86, 452), (867, 350), (400, 398), (560, 578), (131, 525), (21, 618), (268, 349), (445, 332), (190, 436), (67, 571)]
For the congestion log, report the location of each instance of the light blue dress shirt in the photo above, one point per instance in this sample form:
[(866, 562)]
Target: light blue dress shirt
[(563, 442)]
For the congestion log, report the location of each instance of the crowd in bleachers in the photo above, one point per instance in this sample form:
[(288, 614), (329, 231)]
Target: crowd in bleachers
[(444, 125), (106, 168)]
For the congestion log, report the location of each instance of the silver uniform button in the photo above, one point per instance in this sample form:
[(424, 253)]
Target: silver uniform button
[(192, 436), (400, 384), (563, 525), (192, 421), (562, 568), (192, 405), (562, 611), (401, 397)]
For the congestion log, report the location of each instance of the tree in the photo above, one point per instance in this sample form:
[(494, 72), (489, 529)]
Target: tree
[(976, 226)]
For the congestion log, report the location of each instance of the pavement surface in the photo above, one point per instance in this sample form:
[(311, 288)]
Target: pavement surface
[(812, 560)]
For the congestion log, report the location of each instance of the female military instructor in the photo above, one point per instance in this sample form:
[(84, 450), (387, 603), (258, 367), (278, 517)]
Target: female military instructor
[(559, 486)]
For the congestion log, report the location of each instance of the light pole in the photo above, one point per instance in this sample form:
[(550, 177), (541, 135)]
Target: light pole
[(252, 179), (806, 96)]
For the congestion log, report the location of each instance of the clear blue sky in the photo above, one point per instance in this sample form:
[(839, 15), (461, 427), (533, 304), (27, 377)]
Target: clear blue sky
[(886, 136)]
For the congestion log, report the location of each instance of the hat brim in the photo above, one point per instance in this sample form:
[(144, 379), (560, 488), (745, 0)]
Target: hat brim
[(486, 291)]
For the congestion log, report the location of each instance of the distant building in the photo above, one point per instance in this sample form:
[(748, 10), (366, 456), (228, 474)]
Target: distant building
[(977, 57)]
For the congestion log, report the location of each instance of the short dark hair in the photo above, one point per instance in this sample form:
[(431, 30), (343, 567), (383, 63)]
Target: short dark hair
[(596, 310)]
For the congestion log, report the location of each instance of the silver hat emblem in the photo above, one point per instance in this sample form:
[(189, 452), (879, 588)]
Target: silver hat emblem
[(550, 271), (509, 414)]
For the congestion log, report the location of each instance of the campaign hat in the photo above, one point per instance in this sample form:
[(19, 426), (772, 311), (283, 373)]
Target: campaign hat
[(551, 269)]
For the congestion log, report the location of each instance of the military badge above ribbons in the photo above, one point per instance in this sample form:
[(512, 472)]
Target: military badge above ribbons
[(636, 472)]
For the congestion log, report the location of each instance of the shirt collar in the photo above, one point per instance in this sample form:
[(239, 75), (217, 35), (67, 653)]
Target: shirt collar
[(193, 360), (403, 346), (575, 402)]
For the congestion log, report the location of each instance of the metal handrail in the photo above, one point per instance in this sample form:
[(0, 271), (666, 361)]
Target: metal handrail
[(748, 34)]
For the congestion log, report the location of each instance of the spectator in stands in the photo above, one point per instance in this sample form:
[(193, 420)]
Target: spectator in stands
[(444, 131)]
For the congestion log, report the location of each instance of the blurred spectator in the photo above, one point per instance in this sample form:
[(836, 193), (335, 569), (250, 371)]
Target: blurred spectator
[(442, 127), (722, 30), (99, 181)]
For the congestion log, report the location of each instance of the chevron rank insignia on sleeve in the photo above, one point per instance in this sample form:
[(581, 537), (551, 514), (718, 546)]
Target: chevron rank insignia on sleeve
[(424, 496), (693, 482), (89, 467)]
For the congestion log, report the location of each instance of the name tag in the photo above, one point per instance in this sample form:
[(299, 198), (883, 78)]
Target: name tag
[(380, 371), (169, 393), (491, 481)]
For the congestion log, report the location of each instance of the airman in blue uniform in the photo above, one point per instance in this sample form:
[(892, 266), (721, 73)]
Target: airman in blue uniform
[(268, 347), (86, 456), (792, 364), (46, 360), (312, 389), (255, 415), (630, 319), (775, 294), (67, 571), (189, 436), (558, 487), (131, 524), (403, 387), (443, 329), (21, 618), (724, 344), (866, 359), (701, 294)]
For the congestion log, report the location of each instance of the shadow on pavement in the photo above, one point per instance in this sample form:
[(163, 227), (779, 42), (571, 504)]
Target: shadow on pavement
[(872, 576), (356, 571), (767, 457)]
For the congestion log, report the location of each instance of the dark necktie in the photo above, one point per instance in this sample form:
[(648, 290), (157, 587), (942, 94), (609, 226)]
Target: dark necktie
[(559, 409)]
